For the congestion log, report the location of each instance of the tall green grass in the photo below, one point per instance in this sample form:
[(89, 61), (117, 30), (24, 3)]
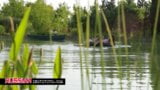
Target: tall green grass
[(121, 23), (17, 66), (87, 52), (79, 28), (99, 30)]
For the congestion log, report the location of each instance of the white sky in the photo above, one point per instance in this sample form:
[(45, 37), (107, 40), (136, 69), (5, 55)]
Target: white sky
[(55, 3)]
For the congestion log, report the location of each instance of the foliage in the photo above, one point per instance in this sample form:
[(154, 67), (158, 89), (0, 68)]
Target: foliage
[(14, 8), (92, 19), (141, 13), (44, 18), (24, 66), (110, 11), (57, 64), (141, 3), (17, 41), (30, 28), (19, 67), (83, 14), (41, 17), (61, 18), (72, 22), (2, 29)]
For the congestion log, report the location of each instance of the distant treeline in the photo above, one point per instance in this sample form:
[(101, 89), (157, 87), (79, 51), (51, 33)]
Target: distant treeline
[(139, 16)]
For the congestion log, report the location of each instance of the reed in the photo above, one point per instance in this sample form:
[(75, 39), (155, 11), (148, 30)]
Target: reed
[(79, 28), (99, 30), (86, 51), (154, 58)]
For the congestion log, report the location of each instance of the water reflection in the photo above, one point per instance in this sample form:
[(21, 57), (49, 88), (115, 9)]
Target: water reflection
[(135, 74), (155, 71)]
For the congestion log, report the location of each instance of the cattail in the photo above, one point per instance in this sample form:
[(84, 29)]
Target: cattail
[(30, 62), (11, 25), (41, 52)]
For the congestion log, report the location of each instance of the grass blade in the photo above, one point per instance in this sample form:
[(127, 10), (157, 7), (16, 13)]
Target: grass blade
[(25, 56), (6, 68), (57, 65), (34, 68), (20, 68), (19, 36)]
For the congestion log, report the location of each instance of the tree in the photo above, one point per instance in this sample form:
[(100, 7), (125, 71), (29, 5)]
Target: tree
[(83, 16), (92, 18), (41, 17), (141, 3), (130, 1), (15, 8), (110, 11), (61, 18), (72, 20)]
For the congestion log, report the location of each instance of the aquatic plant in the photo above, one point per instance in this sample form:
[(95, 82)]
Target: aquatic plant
[(17, 66), (57, 70)]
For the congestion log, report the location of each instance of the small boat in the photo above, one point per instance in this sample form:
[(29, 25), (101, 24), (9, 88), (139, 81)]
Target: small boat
[(54, 37), (96, 42)]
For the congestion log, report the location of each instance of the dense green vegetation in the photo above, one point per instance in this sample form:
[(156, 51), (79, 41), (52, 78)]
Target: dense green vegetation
[(45, 19), (41, 17), (24, 66)]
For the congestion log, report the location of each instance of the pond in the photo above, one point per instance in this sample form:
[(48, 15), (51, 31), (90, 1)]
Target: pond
[(90, 69)]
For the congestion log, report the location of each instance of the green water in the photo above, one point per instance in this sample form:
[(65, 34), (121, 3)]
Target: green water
[(135, 71)]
